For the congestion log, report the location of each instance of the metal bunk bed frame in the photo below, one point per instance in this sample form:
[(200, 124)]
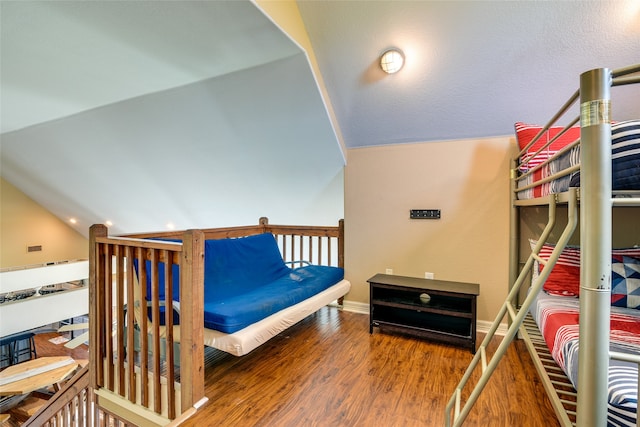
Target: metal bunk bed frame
[(595, 197)]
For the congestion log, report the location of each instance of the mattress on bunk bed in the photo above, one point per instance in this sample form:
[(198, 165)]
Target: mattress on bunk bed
[(557, 319), (625, 147)]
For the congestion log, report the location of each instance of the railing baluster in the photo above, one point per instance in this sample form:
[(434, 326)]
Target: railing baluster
[(301, 251), (284, 247), (168, 315), (144, 325), (119, 256), (108, 315), (131, 373), (155, 334)]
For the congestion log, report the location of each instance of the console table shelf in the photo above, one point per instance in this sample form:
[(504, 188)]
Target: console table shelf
[(434, 309)]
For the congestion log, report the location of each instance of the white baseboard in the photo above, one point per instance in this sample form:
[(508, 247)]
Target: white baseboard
[(356, 307), (481, 326), (484, 326)]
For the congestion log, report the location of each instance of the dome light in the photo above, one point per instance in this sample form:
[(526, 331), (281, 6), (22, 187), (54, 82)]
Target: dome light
[(392, 60)]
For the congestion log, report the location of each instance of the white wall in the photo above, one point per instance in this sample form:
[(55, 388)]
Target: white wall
[(223, 151)]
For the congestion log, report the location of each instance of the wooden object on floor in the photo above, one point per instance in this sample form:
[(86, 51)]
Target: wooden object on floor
[(4, 418), (27, 408), (439, 310), (35, 374), (328, 370)]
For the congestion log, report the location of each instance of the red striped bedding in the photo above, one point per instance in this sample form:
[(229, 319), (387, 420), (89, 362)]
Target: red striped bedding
[(557, 317), (625, 153)]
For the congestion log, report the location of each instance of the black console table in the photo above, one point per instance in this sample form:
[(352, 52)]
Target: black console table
[(434, 309)]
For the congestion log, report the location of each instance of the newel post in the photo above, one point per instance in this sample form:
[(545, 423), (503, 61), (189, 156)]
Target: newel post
[(263, 222), (192, 318), (96, 304)]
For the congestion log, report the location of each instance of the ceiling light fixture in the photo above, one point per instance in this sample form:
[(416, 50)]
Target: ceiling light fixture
[(392, 60)]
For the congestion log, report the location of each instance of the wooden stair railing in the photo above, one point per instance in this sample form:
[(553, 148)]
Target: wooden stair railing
[(136, 364), (72, 402)]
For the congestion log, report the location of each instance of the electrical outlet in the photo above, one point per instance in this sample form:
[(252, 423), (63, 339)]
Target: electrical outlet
[(389, 271), (428, 275)]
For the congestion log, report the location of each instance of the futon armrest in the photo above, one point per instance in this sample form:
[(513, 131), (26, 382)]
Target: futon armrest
[(301, 262)]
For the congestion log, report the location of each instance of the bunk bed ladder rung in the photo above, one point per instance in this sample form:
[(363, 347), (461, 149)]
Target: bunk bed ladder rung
[(483, 356), (513, 313), (539, 259), (516, 315)]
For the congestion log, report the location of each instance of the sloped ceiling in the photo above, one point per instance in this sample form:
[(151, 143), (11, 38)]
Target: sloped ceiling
[(473, 68), (196, 114), (204, 113), (63, 57)]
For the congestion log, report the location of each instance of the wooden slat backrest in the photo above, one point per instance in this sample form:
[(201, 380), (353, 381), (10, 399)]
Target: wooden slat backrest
[(323, 245)]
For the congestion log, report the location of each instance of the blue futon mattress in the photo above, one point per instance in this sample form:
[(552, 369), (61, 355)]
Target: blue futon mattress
[(246, 280), (233, 313)]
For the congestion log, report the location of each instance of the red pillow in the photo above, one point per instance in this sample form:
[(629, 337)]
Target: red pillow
[(565, 276), (525, 134)]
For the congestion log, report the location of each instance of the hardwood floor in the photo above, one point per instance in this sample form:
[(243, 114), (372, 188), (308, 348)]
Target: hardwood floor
[(44, 347), (329, 371)]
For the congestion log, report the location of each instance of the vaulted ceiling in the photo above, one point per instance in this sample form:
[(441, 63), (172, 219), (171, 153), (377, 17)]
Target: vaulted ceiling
[(61, 58), (206, 113), (473, 68), (157, 114)]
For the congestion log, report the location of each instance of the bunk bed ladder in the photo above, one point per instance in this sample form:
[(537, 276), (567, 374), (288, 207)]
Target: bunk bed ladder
[(516, 315)]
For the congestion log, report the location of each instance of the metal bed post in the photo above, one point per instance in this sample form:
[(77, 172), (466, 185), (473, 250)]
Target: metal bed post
[(514, 223), (595, 260)]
